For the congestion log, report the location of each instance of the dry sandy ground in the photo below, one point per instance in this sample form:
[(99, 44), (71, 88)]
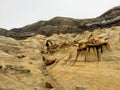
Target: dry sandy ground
[(91, 75), (82, 75)]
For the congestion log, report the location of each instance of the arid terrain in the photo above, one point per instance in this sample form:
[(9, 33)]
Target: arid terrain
[(62, 54)]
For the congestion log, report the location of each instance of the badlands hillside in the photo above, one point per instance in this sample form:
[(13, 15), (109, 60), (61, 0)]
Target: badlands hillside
[(62, 54)]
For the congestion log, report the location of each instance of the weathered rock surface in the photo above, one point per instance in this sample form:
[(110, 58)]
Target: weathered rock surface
[(22, 66)]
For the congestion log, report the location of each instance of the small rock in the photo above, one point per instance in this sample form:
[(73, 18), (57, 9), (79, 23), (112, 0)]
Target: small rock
[(21, 56), (50, 60), (1, 66), (80, 87), (48, 85)]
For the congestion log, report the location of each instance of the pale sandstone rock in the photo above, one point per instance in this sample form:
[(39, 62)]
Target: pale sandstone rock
[(50, 60), (67, 71)]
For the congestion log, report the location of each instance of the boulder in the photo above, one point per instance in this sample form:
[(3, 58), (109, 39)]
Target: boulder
[(50, 60)]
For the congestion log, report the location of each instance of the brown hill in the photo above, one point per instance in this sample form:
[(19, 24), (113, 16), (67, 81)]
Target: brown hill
[(66, 25), (108, 19)]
